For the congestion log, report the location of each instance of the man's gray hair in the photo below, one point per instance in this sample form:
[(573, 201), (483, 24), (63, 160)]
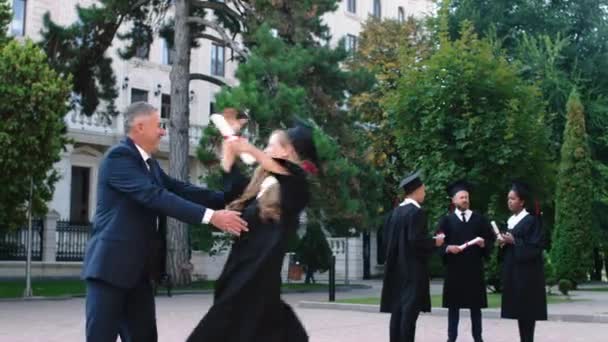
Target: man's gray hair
[(135, 110)]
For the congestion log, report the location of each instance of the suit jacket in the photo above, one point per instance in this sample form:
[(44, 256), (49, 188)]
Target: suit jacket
[(131, 201)]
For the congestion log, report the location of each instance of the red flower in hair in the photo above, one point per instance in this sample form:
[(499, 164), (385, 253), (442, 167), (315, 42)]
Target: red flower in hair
[(309, 167)]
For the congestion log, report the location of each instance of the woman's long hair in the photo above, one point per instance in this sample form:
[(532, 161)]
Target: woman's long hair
[(269, 204)]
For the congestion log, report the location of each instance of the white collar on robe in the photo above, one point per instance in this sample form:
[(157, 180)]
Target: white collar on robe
[(267, 183), (515, 219), (409, 201), (467, 213)]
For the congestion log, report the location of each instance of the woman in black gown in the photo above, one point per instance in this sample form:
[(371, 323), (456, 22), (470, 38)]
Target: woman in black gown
[(523, 278), (247, 305)]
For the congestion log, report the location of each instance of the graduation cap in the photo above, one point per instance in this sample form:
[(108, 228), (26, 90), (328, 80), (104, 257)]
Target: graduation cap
[(457, 186), (411, 182), (301, 137)]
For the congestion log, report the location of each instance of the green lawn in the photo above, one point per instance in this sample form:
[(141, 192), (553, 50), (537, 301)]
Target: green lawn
[(598, 289), (50, 288), (494, 300), (75, 287)]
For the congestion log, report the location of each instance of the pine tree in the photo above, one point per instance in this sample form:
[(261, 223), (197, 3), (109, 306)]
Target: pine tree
[(572, 241)]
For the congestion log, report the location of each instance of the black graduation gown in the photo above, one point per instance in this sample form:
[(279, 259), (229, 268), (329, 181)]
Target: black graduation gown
[(247, 305), (523, 276), (406, 274), (464, 284)]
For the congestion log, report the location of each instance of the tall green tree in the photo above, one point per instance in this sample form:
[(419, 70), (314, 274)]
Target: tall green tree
[(572, 242), (382, 46), (465, 113), (561, 44), (32, 131)]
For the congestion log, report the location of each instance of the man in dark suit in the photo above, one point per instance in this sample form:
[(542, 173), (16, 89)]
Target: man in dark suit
[(406, 288), (464, 282), (134, 195)]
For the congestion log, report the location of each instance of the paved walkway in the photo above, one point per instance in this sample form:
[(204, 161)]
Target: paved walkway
[(62, 320)]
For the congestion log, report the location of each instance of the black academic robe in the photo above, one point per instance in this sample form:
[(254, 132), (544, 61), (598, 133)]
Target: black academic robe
[(523, 277), (406, 285), (464, 284), (247, 305)]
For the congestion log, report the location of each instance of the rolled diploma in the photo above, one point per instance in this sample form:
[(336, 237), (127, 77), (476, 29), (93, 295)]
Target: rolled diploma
[(470, 243), (496, 230), (222, 125)]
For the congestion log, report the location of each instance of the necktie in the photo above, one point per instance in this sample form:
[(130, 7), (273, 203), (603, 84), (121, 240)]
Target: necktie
[(464, 217), (149, 162)]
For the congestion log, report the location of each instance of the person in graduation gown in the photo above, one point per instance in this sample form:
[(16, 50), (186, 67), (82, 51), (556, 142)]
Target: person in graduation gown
[(406, 288), (464, 284), (523, 279), (247, 302)]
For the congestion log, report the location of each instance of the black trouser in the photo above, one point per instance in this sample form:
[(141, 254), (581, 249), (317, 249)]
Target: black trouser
[(112, 311), (526, 330), (403, 325), (454, 318)]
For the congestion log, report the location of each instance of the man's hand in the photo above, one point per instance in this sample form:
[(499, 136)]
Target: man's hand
[(229, 221), (481, 243), (439, 240), (453, 249)]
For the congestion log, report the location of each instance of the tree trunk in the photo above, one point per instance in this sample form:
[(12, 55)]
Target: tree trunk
[(178, 249)]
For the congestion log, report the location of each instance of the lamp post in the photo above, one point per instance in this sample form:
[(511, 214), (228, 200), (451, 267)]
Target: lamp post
[(28, 263)]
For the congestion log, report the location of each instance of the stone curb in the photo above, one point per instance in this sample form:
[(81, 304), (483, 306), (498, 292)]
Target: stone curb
[(443, 312)]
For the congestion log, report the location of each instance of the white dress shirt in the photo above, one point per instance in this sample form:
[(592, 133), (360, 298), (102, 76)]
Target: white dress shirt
[(467, 213)]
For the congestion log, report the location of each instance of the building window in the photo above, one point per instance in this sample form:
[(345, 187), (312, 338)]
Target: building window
[(143, 51), (79, 194), (165, 106), (18, 22), (377, 12), (138, 95), (211, 108), (351, 6), (401, 15), (351, 43), (217, 60), (168, 54)]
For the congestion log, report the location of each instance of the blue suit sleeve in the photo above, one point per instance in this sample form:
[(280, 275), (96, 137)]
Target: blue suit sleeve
[(125, 175), (205, 197)]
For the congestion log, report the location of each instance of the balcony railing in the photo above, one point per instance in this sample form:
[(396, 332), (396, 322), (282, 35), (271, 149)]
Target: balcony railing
[(97, 124)]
